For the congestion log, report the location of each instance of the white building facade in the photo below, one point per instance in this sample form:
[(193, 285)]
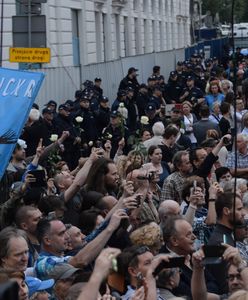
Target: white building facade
[(82, 33)]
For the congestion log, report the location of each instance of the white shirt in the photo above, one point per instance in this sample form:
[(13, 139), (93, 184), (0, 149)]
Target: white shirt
[(188, 122)]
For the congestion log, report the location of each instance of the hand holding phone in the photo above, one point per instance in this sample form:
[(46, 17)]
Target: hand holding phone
[(213, 254), (40, 178), (174, 262)]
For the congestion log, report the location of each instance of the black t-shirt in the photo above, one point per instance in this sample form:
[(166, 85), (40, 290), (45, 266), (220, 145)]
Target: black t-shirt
[(73, 209)]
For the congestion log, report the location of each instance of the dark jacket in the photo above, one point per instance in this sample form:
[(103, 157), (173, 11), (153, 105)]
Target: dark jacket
[(200, 128), (219, 271), (127, 82), (89, 129), (102, 116)]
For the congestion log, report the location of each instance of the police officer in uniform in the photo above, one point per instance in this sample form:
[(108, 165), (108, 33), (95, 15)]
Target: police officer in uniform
[(193, 94), (173, 88), (130, 81), (88, 125), (102, 115)]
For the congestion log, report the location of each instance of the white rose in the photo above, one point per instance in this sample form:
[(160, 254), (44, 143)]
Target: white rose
[(144, 120), (110, 136), (79, 119), (53, 137), (90, 143), (123, 111)]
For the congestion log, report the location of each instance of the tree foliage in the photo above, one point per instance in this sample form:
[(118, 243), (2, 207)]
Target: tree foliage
[(224, 8)]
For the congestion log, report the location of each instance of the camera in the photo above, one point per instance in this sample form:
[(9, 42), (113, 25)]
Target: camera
[(151, 175), (227, 141)]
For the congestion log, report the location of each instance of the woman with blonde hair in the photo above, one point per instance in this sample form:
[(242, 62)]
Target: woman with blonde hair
[(214, 94), (189, 119)]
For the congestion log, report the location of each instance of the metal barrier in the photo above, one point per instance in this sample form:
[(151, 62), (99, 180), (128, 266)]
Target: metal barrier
[(215, 47), (60, 84)]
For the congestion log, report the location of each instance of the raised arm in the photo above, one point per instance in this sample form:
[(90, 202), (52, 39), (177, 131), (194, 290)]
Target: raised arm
[(81, 176), (102, 267), (92, 249)]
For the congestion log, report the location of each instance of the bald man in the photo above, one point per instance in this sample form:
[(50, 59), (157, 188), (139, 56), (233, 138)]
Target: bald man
[(168, 208)]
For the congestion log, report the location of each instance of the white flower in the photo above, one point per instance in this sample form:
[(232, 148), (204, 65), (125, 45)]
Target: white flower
[(53, 137), (123, 111), (121, 104), (144, 120), (79, 119), (34, 114), (90, 143), (109, 136)]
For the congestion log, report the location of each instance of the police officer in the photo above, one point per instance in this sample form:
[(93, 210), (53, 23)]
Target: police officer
[(173, 88), (77, 96), (116, 132), (156, 97), (200, 81), (151, 82), (132, 109), (130, 81), (142, 99), (181, 76), (63, 122), (102, 115), (151, 113), (192, 93), (98, 91), (121, 98), (88, 125)]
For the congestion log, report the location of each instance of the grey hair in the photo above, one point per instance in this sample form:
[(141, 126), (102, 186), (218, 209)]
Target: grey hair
[(158, 128), (245, 200)]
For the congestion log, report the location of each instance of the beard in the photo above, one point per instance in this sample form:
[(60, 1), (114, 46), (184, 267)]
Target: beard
[(236, 222)]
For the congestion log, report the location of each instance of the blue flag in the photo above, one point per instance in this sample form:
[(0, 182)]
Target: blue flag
[(18, 90)]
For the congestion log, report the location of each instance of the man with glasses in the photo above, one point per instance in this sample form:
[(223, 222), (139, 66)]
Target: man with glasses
[(234, 279)]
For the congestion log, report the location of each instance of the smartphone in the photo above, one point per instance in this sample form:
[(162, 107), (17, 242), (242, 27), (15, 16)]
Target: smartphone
[(40, 177), (213, 254), (98, 144), (194, 186), (174, 262), (138, 200)]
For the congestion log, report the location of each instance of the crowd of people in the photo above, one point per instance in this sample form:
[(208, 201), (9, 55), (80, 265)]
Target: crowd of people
[(141, 199)]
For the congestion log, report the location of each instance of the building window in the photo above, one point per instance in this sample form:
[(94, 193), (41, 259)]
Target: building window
[(153, 36), (126, 37), (75, 38), (146, 6), (153, 5), (99, 36), (160, 7), (106, 47), (172, 7), (136, 5), (166, 7), (118, 36), (146, 36)]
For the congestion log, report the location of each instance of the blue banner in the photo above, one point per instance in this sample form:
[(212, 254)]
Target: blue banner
[(18, 90)]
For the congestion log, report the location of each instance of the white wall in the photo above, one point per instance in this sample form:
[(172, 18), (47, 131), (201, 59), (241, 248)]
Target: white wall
[(124, 28)]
